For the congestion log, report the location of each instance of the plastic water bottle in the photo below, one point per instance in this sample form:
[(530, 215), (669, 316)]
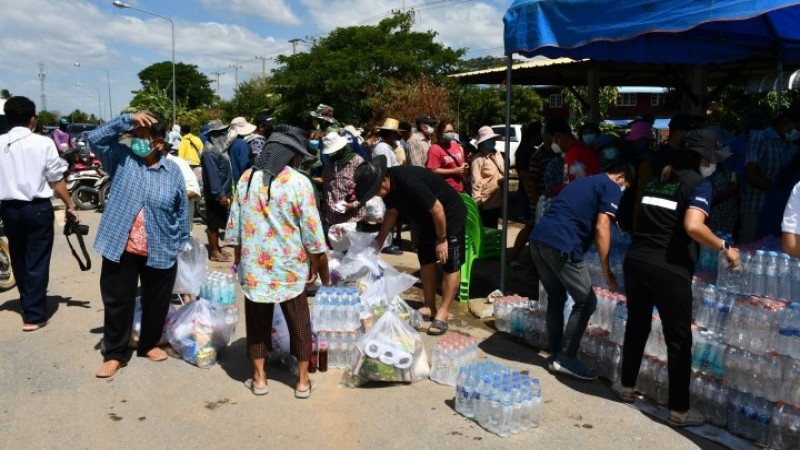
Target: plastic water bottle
[(708, 306), (536, 403), (507, 410), (784, 277), (619, 319), (795, 264), (758, 276), (771, 275), (460, 389)]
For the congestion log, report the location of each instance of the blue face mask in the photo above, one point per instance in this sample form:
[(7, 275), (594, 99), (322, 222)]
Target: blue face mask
[(448, 136), (490, 145), (610, 153), (588, 138), (141, 147), (313, 144)]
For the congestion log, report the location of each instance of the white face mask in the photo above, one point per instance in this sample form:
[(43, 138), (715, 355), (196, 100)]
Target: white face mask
[(556, 148), (707, 171)]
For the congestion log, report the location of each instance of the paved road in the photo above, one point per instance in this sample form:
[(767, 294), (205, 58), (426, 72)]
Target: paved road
[(49, 397)]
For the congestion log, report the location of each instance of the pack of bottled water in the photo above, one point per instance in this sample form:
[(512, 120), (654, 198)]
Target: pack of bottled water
[(602, 355), (710, 397), (753, 324), (220, 289), (653, 380), (501, 400), (530, 325), (502, 310), (452, 352), (336, 318), (708, 353), (620, 243), (784, 432)]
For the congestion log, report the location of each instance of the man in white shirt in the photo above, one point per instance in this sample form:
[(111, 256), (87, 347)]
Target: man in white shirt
[(30, 171)]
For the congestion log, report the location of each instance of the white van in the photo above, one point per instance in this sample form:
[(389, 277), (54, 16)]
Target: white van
[(514, 138)]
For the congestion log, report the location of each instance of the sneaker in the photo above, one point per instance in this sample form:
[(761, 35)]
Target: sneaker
[(573, 368), (33, 326), (625, 394), (690, 418), (392, 250)]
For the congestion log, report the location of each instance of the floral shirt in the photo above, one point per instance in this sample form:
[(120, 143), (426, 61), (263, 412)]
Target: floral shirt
[(276, 235)]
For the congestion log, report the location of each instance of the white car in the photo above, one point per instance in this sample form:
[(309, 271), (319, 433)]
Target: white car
[(515, 136)]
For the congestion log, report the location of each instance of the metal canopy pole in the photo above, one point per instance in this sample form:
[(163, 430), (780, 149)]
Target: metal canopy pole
[(507, 162)]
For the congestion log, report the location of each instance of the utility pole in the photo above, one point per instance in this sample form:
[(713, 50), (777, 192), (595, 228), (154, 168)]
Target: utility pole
[(218, 73), (41, 74), (236, 68), (294, 43), (264, 60)]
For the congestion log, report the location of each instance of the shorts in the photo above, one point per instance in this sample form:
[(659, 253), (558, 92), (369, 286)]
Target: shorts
[(456, 248), (216, 215)]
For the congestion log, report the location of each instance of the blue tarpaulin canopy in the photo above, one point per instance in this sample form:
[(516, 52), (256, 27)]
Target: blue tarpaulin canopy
[(654, 31)]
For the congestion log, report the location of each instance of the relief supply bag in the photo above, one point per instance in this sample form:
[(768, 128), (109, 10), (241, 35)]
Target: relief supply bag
[(192, 268), (198, 331)]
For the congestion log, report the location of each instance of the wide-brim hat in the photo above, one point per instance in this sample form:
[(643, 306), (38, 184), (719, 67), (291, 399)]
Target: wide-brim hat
[(292, 138), (705, 142), (390, 125), (485, 133), (242, 127), (215, 125), (368, 178), (333, 142), (323, 112), (352, 130)]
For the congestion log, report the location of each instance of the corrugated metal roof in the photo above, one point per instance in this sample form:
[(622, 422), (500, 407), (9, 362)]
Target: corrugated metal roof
[(544, 62)]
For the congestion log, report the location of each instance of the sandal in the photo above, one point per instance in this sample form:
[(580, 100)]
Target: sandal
[(156, 354), (437, 328), (109, 368), (689, 418), (250, 384), (625, 394), (429, 317), (223, 258), (306, 393)]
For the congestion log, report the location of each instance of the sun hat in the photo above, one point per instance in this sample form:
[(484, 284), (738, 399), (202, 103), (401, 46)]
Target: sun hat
[(485, 133), (323, 112), (215, 125), (390, 125), (704, 141), (242, 127), (333, 142), (352, 130), (368, 178), (640, 130)]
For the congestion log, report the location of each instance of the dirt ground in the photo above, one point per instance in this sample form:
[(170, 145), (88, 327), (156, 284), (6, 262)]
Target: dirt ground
[(49, 397)]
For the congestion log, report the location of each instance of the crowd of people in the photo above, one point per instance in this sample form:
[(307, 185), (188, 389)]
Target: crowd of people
[(281, 197)]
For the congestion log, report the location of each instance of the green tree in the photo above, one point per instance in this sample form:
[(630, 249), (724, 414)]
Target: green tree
[(477, 106), (578, 112), (192, 88), (78, 116), (250, 98), (48, 118), (349, 66), (5, 94), (482, 63)]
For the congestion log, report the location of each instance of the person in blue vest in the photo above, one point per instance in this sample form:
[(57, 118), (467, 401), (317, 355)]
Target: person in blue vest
[(581, 214)]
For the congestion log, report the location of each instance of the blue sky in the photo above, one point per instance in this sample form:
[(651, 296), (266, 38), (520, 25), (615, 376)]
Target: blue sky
[(212, 34)]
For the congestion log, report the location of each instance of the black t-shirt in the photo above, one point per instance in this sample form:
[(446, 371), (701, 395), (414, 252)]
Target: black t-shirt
[(414, 190), (660, 238), (523, 156)]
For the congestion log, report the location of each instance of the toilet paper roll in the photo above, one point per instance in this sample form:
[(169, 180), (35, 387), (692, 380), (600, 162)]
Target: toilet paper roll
[(403, 360), (387, 357), (373, 349)]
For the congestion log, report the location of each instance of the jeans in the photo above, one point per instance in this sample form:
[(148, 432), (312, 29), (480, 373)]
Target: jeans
[(29, 229), (561, 276)]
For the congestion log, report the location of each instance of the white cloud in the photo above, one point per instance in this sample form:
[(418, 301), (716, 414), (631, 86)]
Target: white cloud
[(275, 11)]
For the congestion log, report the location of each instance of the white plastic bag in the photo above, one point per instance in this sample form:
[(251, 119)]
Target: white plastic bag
[(198, 331), (390, 351), (280, 335), (375, 209), (192, 268), (136, 330), (337, 236)]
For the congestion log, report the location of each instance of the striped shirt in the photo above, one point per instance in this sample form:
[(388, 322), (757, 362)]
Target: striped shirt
[(160, 190)]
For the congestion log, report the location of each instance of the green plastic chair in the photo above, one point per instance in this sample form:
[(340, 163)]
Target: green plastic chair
[(481, 243)]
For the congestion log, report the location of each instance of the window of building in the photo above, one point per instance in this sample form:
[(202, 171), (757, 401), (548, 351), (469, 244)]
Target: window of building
[(626, 99), (556, 101), (657, 99)]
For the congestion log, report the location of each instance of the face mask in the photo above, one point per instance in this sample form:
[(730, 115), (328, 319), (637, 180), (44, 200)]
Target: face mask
[(429, 130), (793, 135), (313, 144), (448, 136), (707, 171), (622, 188), (490, 145), (610, 153), (588, 138), (140, 147), (556, 148)]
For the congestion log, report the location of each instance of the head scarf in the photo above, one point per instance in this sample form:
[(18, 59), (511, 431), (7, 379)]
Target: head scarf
[(343, 156), (283, 145)]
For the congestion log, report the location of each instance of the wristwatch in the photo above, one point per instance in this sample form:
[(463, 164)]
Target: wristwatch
[(725, 245)]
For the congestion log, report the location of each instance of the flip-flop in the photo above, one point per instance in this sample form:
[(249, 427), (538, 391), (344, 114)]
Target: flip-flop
[(439, 326), (249, 384), (306, 393), (160, 355)]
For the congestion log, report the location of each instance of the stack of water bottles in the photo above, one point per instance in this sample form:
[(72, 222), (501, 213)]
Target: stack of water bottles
[(220, 289), (450, 353), (620, 243), (502, 310), (336, 318), (501, 400)]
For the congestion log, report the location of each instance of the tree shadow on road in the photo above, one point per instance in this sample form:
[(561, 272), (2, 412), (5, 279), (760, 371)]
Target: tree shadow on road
[(53, 303)]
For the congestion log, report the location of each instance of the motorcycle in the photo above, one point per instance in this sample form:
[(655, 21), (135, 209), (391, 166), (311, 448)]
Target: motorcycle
[(87, 183), (7, 280)]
